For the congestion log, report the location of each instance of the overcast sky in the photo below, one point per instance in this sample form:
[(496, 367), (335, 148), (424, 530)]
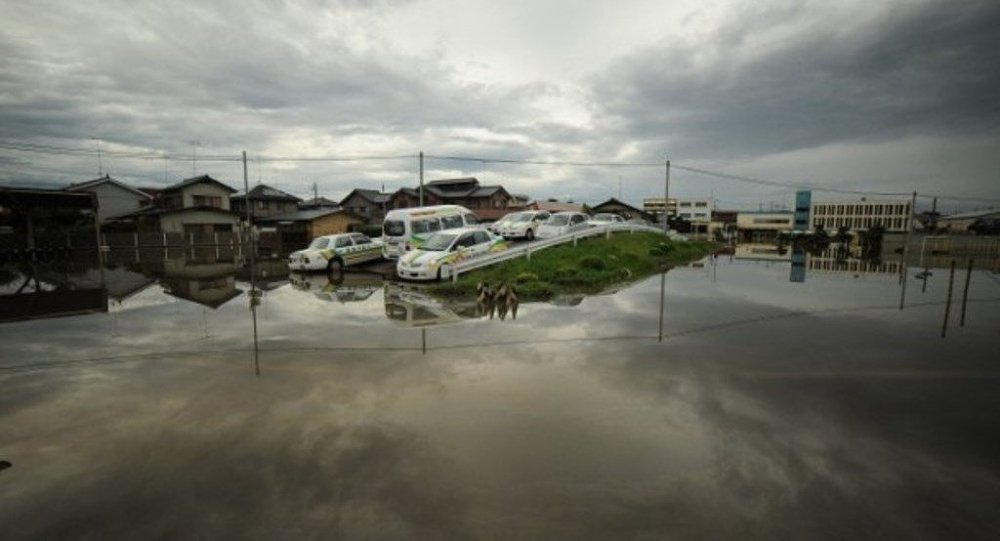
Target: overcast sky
[(888, 96)]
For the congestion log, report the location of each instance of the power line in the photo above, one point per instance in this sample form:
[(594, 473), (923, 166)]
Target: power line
[(69, 151)]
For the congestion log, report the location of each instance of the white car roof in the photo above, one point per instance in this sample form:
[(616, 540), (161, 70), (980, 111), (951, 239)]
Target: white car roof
[(460, 230)]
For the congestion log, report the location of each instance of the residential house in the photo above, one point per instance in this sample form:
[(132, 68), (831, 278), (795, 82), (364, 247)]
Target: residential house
[(626, 211), (113, 197), (293, 231), (555, 206), (40, 223), (194, 206), (318, 202), (371, 205), (487, 202), (265, 201)]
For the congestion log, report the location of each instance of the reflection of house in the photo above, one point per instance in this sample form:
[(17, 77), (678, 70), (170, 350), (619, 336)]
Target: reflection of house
[(626, 211), (758, 227), (761, 252), (196, 206), (34, 296), (37, 222), (114, 197), (265, 201), (210, 285), (487, 202)]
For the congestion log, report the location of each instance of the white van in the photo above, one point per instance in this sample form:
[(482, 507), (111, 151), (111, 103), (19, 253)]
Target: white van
[(405, 229)]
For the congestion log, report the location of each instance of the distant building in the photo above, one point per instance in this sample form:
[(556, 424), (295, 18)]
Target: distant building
[(114, 197), (696, 211), (894, 216), (371, 205), (265, 200), (763, 227), (966, 221), (657, 206)]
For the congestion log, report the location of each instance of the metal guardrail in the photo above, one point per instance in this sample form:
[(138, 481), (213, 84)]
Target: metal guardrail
[(527, 249)]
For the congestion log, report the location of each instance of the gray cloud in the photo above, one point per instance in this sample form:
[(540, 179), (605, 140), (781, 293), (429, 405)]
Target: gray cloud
[(778, 79)]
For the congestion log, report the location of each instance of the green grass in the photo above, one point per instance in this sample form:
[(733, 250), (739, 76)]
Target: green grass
[(593, 265)]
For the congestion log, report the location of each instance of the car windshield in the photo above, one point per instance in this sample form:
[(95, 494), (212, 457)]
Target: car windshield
[(521, 218), (394, 228), (557, 219), (318, 244), (438, 242)]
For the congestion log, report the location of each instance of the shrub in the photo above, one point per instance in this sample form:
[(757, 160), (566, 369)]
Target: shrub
[(526, 277), (592, 262), (564, 274), (661, 249)]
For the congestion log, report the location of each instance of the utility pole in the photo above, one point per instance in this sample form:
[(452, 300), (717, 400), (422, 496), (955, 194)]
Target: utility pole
[(619, 187), (246, 195), (315, 194), (906, 250), (666, 199), (421, 178)]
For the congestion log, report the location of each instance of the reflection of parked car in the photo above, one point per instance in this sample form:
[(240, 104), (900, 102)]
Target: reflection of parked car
[(334, 252), (341, 291), (415, 309), (606, 218), (520, 225), (561, 223), (435, 256)]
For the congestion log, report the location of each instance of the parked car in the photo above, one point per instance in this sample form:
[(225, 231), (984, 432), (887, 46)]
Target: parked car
[(433, 259), (334, 252), (521, 225), (606, 218), (561, 223)]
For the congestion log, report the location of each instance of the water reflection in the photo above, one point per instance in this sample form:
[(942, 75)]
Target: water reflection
[(713, 401)]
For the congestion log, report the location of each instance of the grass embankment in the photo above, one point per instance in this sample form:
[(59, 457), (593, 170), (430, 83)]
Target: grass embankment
[(593, 265)]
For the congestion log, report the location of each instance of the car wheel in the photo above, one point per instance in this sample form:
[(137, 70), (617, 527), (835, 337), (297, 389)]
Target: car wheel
[(335, 265), (530, 235)]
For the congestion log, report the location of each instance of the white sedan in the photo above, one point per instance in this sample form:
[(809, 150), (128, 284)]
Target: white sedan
[(561, 223), (606, 218), (334, 252), (434, 258)]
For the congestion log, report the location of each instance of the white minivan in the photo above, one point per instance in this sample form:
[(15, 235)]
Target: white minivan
[(406, 229)]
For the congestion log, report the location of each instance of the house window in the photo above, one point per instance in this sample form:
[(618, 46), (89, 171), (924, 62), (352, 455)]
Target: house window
[(207, 201)]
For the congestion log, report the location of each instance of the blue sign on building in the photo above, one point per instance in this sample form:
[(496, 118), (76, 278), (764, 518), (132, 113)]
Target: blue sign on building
[(803, 202)]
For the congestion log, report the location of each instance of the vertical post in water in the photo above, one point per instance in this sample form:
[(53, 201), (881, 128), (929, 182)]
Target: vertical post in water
[(666, 198), (423, 340), (947, 306), (246, 195), (965, 293), (421, 178), (663, 283), (909, 233)]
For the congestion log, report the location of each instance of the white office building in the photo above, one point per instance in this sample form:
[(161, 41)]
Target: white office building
[(894, 216)]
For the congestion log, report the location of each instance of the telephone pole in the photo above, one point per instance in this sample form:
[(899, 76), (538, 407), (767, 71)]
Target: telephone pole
[(666, 199), (421, 178)]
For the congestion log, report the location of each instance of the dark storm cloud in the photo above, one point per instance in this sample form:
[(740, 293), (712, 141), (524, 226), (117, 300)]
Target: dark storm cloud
[(778, 79)]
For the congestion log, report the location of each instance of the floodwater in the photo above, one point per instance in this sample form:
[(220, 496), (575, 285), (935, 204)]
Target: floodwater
[(729, 399)]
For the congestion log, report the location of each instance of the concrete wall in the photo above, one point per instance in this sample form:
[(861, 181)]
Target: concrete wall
[(174, 222)]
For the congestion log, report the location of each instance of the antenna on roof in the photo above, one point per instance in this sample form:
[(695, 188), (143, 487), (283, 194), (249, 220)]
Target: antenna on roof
[(100, 166)]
